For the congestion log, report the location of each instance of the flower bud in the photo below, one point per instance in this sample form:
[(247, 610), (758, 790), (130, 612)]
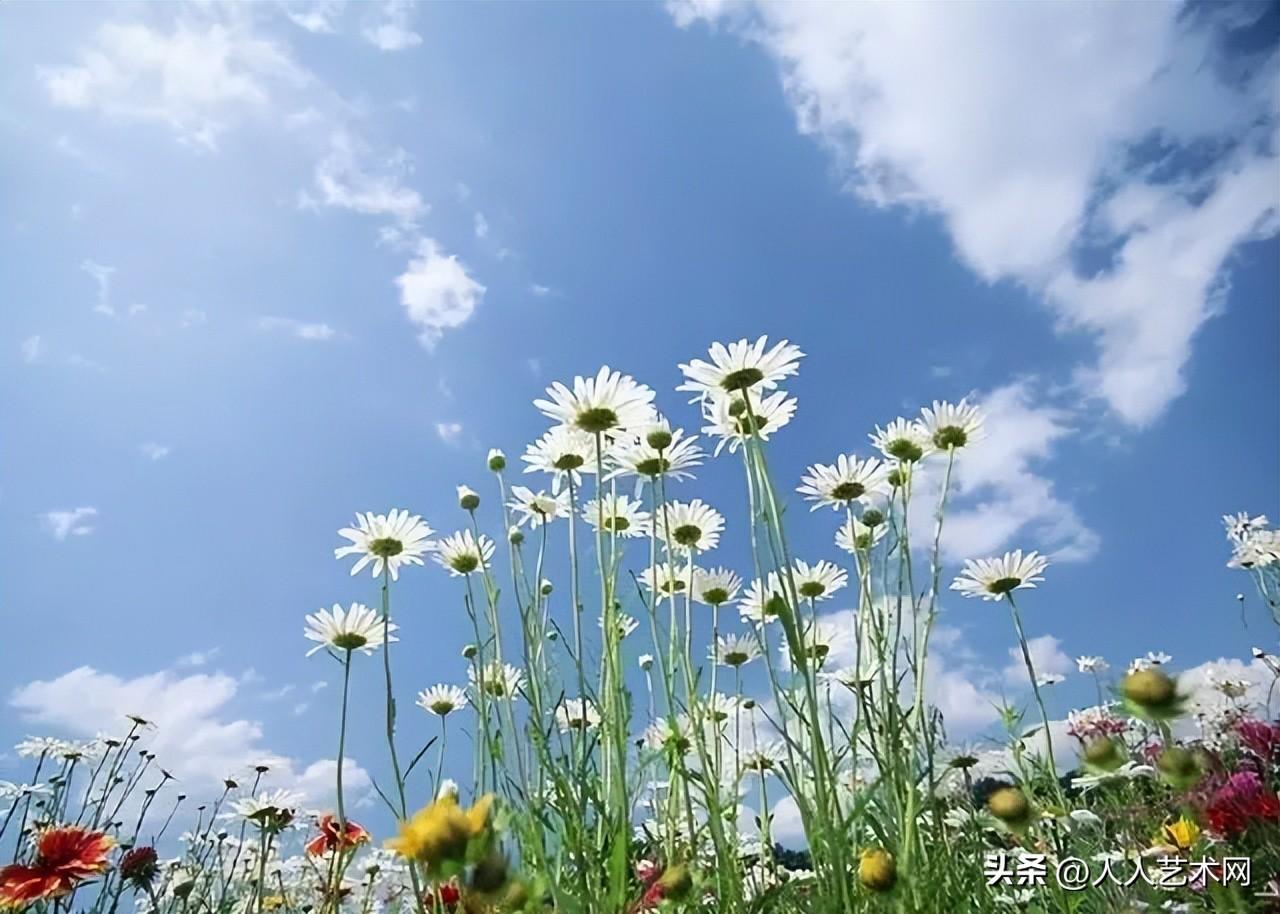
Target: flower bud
[(1178, 768), (468, 499), (546, 587), (1151, 693), (497, 459), (515, 536), (659, 438), (877, 870), (873, 517), (1103, 754), (1011, 806), (646, 662), (469, 651)]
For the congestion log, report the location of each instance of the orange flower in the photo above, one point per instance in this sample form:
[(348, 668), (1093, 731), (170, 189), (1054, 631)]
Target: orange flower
[(331, 836), (65, 857)]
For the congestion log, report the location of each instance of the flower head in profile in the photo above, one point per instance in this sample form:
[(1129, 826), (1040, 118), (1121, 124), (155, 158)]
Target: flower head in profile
[(577, 714), (1240, 527), (665, 735), (358, 628), (538, 508), (442, 700), (667, 579), (501, 680), (764, 758), (617, 514), (386, 541), (271, 810), (855, 537), (820, 580), (625, 625), (333, 836), (757, 605), (740, 366), (564, 451), (461, 553), (611, 402), (689, 526), (732, 418), (736, 650), (1092, 664), (1260, 550), (952, 425), (903, 440), (992, 578), (657, 451), (844, 482), (65, 856), (715, 586)]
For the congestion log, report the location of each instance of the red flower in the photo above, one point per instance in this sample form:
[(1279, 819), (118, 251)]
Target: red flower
[(330, 837), (449, 896), (65, 857), (1260, 738), (1239, 802), (139, 865)]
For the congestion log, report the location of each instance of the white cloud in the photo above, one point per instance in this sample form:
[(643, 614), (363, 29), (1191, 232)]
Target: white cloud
[(196, 79), (73, 522), (198, 658), (436, 291), (193, 317), (540, 290), (102, 278), (31, 349), (351, 177), (1017, 125), (302, 330), (318, 18), (998, 497), (153, 451), (1047, 657), (195, 736), (481, 225), (388, 29), (448, 431)]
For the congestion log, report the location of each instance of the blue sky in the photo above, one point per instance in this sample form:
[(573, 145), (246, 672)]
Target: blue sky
[(267, 266)]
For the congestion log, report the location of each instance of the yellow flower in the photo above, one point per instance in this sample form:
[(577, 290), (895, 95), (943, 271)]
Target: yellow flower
[(877, 869), (441, 831), (1181, 834)]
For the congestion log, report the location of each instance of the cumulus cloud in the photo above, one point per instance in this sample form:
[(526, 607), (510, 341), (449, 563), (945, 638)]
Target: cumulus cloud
[(196, 78), (196, 736), (318, 18), (1000, 495), (70, 522), (1047, 657), (1108, 157), (153, 451), (312, 332), (437, 292), (448, 431)]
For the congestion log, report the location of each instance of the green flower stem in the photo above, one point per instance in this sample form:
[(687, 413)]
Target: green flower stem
[(342, 740), (1035, 689)]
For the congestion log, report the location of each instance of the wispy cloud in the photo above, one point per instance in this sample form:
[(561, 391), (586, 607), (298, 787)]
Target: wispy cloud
[(31, 349), (387, 27), (449, 432), (153, 451), (481, 225), (70, 522), (102, 278), (352, 177), (312, 332)]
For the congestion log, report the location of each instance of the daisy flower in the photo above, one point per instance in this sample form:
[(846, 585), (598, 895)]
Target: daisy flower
[(501, 680), (468, 498), (764, 758), (356, 629), (64, 857), (1261, 549), (844, 482), (992, 578), (727, 418), (820, 580), (442, 700), (661, 734), (271, 807), (563, 451), (577, 714), (622, 515), (715, 586), (903, 440), (952, 425), (626, 624), (538, 508), (609, 402), (854, 536), (719, 708), (740, 366), (641, 456), (692, 525), (735, 650), (666, 578), (386, 540), (1089, 664), (461, 553), (754, 605), (1241, 526)]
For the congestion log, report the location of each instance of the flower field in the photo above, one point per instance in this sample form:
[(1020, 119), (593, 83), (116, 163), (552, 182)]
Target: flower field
[(620, 764)]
